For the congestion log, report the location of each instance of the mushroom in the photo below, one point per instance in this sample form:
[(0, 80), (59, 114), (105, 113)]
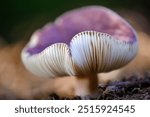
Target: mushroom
[(81, 43)]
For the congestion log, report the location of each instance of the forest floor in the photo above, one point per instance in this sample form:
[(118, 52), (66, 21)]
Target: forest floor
[(131, 89)]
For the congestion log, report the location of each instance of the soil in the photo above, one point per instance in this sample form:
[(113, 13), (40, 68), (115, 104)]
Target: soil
[(132, 89)]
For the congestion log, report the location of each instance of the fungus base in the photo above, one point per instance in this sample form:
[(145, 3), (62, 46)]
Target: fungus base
[(86, 85)]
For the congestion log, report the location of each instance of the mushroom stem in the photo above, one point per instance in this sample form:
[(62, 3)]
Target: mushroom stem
[(86, 85)]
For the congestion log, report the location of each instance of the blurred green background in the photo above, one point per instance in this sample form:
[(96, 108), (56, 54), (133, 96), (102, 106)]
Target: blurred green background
[(19, 18)]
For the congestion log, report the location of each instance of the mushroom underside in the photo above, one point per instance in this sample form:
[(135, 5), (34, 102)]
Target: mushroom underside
[(89, 52)]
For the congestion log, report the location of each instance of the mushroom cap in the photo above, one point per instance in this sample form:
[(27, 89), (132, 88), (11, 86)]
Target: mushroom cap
[(83, 41)]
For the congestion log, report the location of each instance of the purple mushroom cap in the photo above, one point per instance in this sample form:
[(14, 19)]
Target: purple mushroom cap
[(95, 18), (90, 39)]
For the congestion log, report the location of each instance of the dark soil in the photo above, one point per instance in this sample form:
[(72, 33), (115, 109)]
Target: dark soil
[(132, 89)]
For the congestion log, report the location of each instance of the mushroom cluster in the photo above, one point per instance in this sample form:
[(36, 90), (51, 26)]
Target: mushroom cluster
[(81, 43)]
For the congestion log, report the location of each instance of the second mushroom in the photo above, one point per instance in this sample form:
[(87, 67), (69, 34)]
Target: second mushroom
[(82, 43)]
